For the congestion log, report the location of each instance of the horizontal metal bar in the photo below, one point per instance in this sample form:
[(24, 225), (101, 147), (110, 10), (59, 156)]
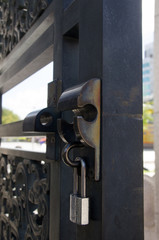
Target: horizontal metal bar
[(71, 16), (24, 154), (15, 129), (33, 52)]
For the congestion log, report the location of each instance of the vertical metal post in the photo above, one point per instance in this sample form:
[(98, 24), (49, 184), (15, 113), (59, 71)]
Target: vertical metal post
[(55, 172), (122, 141), (110, 48), (60, 175)]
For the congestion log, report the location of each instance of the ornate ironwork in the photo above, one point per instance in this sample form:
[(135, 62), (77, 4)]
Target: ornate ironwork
[(24, 199), (16, 18)]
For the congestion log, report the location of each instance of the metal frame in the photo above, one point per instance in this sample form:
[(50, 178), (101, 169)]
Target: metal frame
[(102, 39), (20, 64), (91, 39), (33, 52)]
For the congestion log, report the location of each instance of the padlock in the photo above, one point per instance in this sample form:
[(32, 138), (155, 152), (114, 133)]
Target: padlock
[(79, 203)]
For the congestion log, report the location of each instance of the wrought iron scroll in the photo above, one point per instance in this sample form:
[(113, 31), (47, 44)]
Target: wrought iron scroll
[(24, 199), (16, 18)]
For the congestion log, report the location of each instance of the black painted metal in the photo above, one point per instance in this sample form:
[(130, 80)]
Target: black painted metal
[(17, 18), (90, 39), (24, 201), (24, 154), (24, 175), (16, 129), (40, 121), (103, 40), (20, 64)]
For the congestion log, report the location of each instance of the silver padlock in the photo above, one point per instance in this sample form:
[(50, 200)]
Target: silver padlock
[(79, 203)]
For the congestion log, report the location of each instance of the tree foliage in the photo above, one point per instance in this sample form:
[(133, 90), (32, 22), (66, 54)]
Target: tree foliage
[(148, 112), (8, 116)]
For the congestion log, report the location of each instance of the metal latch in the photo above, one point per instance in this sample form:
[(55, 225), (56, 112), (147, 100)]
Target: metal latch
[(40, 121), (45, 120), (84, 101)]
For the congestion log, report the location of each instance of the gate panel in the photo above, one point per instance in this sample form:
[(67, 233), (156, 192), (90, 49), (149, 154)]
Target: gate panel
[(103, 41), (24, 201), (86, 39), (26, 45)]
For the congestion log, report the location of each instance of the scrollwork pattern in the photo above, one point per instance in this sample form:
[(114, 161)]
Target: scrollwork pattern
[(16, 18), (24, 199)]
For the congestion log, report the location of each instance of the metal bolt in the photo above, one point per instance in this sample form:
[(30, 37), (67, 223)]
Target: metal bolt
[(52, 139)]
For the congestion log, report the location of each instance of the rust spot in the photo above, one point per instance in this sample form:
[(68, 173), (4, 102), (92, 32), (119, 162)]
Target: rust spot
[(134, 93)]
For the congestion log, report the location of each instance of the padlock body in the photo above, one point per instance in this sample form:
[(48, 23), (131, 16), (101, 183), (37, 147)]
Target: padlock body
[(82, 210), (79, 210)]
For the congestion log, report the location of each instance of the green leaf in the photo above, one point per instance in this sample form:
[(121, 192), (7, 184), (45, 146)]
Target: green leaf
[(8, 116)]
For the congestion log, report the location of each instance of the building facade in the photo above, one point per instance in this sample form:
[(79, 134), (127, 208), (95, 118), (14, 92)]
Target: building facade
[(147, 67)]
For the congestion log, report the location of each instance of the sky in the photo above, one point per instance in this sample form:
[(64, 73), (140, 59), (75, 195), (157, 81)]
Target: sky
[(147, 21), (24, 99), (31, 94)]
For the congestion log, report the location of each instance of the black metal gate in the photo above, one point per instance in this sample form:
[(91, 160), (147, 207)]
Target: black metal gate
[(96, 43)]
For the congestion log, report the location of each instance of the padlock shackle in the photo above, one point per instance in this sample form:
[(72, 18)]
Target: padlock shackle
[(65, 154), (83, 176), (75, 181)]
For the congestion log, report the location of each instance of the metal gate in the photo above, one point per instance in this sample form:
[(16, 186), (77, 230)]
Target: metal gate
[(95, 127)]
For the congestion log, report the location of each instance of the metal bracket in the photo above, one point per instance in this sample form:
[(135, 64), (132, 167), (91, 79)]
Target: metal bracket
[(84, 101), (40, 121)]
